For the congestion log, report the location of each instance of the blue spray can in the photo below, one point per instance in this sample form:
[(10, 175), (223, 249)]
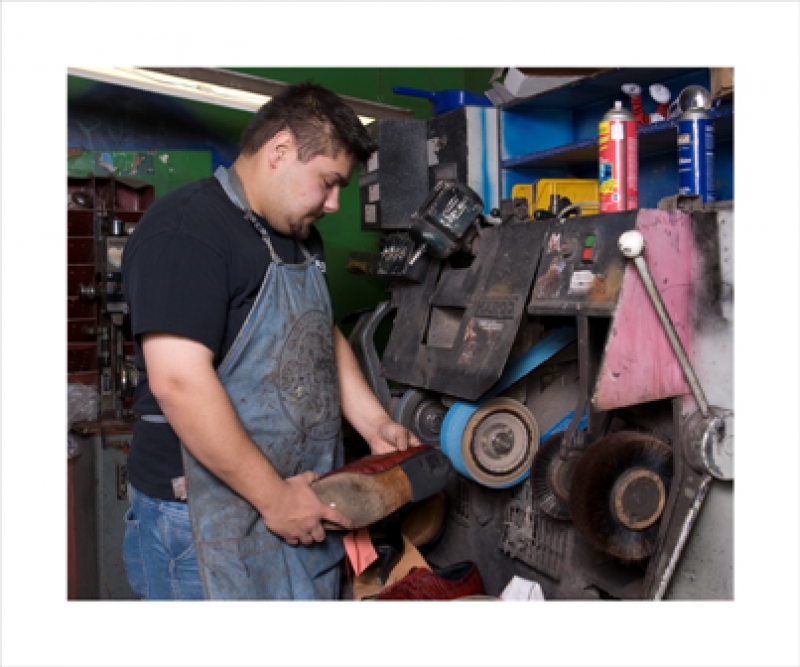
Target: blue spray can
[(696, 155)]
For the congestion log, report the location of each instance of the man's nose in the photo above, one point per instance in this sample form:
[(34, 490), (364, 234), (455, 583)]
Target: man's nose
[(332, 200)]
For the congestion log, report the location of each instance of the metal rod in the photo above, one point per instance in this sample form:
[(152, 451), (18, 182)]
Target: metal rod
[(688, 522), (680, 352), (583, 386)]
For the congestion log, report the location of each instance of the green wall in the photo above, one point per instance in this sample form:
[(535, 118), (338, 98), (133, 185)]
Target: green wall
[(164, 170), (121, 120), (342, 231)]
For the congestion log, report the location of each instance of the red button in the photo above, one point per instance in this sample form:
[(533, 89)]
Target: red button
[(587, 254)]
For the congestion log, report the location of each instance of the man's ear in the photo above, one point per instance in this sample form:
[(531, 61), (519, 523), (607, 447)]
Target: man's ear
[(279, 146)]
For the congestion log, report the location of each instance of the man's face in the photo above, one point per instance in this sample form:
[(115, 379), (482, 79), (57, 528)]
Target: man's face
[(307, 190)]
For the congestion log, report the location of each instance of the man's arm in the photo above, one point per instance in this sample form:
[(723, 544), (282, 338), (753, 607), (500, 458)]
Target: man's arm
[(182, 378), (361, 406)]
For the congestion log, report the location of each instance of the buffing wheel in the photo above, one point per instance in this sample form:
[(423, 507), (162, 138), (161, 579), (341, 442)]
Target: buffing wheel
[(618, 493)]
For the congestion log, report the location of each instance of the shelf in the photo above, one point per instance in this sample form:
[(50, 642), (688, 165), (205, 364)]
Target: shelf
[(654, 139), (588, 90)]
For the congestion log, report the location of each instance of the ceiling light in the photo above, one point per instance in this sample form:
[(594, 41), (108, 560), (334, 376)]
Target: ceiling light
[(208, 85)]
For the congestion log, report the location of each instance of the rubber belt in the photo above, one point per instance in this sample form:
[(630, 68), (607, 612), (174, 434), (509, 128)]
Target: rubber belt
[(458, 415)]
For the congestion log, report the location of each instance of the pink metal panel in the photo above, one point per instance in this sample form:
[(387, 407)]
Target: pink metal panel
[(639, 364)]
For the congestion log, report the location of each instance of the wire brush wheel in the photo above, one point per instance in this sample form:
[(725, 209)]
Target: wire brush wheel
[(618, 493), (550, 477)]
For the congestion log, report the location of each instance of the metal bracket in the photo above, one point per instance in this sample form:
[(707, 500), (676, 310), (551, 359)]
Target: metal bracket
[(569, 441), (681, 203)]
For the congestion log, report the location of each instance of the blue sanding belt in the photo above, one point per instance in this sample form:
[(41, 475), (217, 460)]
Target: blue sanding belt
[(458, 415)]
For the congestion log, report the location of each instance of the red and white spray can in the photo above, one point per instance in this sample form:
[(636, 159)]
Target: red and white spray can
[(618, 161)]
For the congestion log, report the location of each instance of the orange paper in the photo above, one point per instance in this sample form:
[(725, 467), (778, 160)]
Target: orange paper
[(360, 551)]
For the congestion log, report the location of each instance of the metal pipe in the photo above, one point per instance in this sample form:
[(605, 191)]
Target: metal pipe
[(583, 386), (688, 522), (632, 245)]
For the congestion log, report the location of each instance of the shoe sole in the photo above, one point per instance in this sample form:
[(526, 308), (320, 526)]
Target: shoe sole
[(367, 498), (364, 499)]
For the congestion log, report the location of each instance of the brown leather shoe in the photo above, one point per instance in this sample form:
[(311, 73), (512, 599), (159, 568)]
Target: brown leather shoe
[(373, 487)]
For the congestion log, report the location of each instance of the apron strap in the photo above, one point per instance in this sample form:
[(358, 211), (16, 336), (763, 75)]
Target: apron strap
[(233, 187)]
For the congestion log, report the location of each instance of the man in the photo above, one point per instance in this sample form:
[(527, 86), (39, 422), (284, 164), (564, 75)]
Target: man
[(243, 374)]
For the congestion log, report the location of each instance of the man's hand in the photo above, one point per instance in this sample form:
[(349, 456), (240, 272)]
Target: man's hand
[(296, 512), (391, 436)]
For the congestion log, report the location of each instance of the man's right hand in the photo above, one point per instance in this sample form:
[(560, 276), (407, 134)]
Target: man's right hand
[(296, 513)]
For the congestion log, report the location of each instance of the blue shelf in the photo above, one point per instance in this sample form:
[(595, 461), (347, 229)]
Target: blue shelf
[(553, 134), (654, 139), (586, 92)]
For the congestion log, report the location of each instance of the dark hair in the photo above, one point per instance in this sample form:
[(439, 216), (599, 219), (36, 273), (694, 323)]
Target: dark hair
[(321, 122)]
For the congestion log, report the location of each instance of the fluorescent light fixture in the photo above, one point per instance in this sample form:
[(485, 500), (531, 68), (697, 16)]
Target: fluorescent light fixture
[(155, 81)]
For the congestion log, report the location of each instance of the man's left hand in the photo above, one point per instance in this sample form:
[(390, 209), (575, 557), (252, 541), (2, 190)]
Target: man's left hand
[(391, 437)]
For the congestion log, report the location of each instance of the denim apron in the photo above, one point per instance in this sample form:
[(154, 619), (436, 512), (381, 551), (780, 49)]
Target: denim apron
[(281, 377)]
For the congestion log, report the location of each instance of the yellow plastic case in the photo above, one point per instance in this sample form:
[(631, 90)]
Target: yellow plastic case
[(577, 190)]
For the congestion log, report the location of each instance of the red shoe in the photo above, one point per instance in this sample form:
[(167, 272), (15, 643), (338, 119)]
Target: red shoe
[(373, 487), (450, 583)]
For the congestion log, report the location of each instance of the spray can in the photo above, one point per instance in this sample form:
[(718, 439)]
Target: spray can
[(618, 161), (696, 155)]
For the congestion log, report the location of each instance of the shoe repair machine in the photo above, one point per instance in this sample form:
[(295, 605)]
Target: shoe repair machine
[(578, 372)]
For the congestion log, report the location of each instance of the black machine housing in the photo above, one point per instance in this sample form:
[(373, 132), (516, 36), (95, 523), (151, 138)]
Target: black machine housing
[(493, 302)]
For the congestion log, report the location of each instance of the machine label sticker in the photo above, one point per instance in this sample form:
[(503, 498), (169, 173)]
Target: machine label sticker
[(490, 325), (581, 282), (433, 151), (370, 214), (372, 162), (374, 192), (554, 244)]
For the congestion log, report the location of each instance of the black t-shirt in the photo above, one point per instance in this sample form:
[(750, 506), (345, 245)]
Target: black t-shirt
[(193, 267)]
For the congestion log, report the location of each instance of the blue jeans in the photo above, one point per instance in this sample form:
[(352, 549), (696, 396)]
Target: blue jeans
[(158, 550)]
